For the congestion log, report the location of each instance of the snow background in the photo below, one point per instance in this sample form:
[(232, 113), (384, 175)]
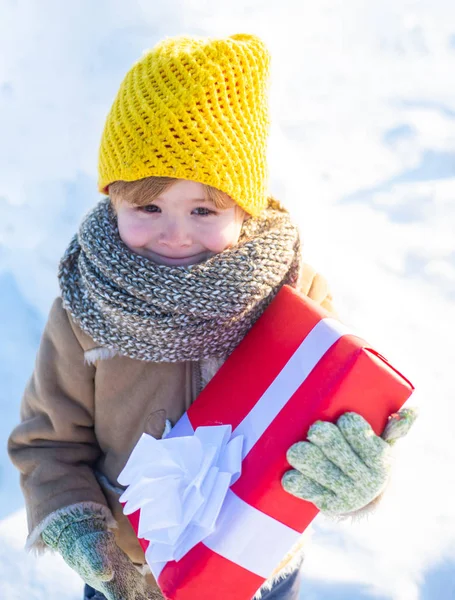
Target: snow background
[(363, 152)]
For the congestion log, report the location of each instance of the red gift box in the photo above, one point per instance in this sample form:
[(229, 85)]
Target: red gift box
[(295, 366)]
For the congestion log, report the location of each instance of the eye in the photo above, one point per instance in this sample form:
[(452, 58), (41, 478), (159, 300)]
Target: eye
[(148, 209), (206, 212)]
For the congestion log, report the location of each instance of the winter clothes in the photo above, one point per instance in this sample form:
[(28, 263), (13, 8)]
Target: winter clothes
[(193, 108), (87, 546), (84, 410), (131, 305), (344, 467), (131, 344)]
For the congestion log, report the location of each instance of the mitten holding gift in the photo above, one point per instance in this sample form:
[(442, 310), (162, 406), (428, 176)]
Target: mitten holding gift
[(81, 534), (344, 468)]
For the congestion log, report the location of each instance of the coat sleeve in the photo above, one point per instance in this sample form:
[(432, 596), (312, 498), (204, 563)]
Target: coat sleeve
[(54, 446), (315, 286)]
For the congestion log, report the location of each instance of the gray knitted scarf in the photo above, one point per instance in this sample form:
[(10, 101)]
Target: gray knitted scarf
[(152, 312)]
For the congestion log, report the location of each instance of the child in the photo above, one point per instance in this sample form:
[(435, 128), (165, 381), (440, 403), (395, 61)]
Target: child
[(161, 283)]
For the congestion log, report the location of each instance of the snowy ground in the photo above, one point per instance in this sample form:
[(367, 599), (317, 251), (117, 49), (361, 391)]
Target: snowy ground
[(363, 152)]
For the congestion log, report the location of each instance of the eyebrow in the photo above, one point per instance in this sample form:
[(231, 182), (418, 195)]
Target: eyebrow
[(193, 200)]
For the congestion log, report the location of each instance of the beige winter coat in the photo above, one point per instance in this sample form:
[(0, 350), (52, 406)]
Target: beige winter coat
[(84, 410)]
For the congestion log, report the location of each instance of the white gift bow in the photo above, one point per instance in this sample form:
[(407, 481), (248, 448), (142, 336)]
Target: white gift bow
[(179, 485)]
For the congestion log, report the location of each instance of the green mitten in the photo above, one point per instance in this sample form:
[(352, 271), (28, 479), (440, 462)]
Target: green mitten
[(88, 547), (344, 467)]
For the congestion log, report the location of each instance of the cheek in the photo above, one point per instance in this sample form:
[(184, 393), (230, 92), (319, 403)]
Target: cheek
[(133, 233), (223, 237)]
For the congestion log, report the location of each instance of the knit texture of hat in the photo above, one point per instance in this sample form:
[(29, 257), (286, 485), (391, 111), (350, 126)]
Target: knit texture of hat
[(193, 108)]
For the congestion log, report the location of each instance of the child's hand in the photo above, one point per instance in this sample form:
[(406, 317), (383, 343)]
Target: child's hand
[(89, 548), (343, 467)]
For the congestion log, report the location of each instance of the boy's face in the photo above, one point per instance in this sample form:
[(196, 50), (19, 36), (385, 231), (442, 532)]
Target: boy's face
[(180, 227)]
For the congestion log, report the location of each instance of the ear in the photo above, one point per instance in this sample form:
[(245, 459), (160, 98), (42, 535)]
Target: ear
[(113, 204), (242, 214)]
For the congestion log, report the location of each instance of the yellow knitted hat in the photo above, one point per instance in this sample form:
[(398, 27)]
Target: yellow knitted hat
[(193, 108)]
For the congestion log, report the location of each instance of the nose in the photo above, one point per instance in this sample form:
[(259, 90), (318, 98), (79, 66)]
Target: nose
[(175, 234)]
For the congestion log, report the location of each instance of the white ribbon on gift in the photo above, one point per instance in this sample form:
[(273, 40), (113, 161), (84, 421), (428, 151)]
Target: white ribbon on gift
[(242, 534), (179, 485)]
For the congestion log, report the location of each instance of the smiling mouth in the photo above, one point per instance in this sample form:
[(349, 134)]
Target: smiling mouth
[(183, 260), (177, 257)]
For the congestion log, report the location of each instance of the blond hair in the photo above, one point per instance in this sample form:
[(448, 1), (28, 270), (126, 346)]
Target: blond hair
[(143, 191)]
